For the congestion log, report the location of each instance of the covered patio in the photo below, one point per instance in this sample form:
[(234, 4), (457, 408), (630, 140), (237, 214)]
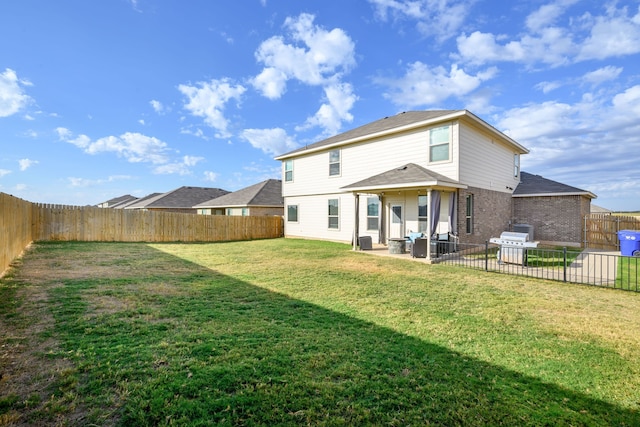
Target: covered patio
[(413, 201)]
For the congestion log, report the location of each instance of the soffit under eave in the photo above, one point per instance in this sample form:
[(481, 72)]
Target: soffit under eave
[(413, 186)]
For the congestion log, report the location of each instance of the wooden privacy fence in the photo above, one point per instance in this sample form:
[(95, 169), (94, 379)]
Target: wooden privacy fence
[(15, 228), (601, 230), (22, 222)]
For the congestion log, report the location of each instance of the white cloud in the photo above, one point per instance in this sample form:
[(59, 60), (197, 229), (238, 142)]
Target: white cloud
[(582, 143), (208, 100), (271, 141), (616, 34), (628, 103), (12, 96), (547, 87), (317, 56), (422, 85), (439, 18), (537, 120), (181, 168), (340, 99), (211, 176), (158, 107), (134, 147), (602, 75), (26, 163), (552, 46), (271, 82), (4, 172), (84, 182), (581, 38), (547, 14)]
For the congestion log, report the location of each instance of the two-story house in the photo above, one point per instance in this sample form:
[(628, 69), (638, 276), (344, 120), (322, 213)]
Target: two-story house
[(435, 172)]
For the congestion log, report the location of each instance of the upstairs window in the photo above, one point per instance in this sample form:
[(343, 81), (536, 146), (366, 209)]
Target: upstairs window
[(288, 170), (516, 165), (334, 162), (439, 142)]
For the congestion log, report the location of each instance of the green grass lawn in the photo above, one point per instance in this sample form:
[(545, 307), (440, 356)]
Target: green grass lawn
[(628, 275), (292, 332)]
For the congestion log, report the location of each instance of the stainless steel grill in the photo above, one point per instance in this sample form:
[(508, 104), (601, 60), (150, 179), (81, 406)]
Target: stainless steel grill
[(513, 247)]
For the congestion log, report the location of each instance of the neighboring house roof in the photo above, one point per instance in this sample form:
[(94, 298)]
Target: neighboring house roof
[(117, 200), (137, 202), (404, 177), (180, 198), (400, 122), (123, 203), (536, 186), (264, 194), (600, 209)]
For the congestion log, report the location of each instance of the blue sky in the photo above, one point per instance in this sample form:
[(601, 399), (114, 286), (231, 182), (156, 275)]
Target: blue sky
[(104, 98)]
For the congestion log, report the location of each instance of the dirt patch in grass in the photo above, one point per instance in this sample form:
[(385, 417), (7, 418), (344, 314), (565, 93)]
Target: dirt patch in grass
[(27, 373)]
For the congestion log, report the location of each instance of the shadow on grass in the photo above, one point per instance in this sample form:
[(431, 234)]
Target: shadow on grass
[(186, 345)]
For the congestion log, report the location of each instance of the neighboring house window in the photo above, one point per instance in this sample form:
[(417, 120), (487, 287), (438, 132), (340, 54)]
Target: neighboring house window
[(292, 213), (245, 211), (422, 214), (334, 219), (229, 212), (439, 139), (288, 170), (469, 215), (334, 162), (373, 213), (516, 165)]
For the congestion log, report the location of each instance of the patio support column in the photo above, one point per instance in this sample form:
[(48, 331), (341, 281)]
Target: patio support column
[(429, 224), (356, 222)]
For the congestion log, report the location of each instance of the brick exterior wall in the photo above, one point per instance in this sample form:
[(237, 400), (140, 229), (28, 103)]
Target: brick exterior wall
[(557, 219), (491, 214)]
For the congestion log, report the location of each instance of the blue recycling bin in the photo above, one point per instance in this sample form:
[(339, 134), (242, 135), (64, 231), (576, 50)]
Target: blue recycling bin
[(629, 242)]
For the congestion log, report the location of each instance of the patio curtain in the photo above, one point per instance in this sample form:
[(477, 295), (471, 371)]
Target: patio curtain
[(453, 214), (435, 211)]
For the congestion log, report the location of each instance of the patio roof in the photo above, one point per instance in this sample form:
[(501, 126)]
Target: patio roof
[(406, 177)]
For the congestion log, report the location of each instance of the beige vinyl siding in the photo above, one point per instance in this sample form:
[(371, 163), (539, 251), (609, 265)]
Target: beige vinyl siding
[(485, 162), (360, 161), (313, 217)]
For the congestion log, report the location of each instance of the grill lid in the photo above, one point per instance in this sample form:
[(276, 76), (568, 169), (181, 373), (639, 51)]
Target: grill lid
[(514, 237)]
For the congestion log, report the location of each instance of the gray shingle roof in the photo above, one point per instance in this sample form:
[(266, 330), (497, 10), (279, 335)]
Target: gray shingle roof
[(118, 200), (405, 120), (265, 193), (180, 198), (138, 203), (405, 176), (381, 125), (535, 185)]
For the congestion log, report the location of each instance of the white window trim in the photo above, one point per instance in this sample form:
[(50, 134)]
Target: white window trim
[(339, 163), (449, 144), (332, 216), (285, 170)]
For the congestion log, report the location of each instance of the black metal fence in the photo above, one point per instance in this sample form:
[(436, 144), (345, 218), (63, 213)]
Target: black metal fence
[(589, 267)]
